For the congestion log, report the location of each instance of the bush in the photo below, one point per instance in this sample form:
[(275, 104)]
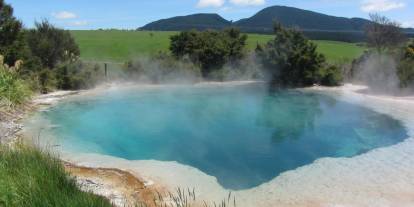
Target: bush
[(46, 81), (52, 45), (405, 73), (54, 62), (409, 51), (405, 69), (78, 75), (29, 177), (13, 91), (209, 49), (331, 76), (162, 68), (290, 59), (46, 50)]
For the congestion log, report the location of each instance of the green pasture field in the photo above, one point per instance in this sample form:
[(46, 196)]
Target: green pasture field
[(119, 45)]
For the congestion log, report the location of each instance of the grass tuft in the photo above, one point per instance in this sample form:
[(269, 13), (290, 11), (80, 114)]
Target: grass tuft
[(13, 90), (30, 178)]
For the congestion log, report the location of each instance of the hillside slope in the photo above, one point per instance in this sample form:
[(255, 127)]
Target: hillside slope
[(194, 21), (299, 18), (314, 25)]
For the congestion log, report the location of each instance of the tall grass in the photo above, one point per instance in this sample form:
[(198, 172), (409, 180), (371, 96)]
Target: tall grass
[(13, 90), (31, 178), (186, 198)]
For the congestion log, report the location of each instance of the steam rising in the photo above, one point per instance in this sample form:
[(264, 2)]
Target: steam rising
[(166, 70), (379, 72)]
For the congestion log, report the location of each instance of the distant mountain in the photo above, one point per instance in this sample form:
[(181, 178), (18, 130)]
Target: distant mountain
[(314, 25), (299, 18), (195, 21), (409, 30)]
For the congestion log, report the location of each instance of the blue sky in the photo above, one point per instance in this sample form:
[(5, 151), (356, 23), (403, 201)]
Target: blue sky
[(130, 14)]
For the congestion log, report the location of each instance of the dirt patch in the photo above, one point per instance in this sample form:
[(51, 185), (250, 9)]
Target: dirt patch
[(122, 188)]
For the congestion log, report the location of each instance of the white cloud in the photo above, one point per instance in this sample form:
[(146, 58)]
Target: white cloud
[(210, 3), (64, 15), (381, 5), (248, 2), (78, 23)]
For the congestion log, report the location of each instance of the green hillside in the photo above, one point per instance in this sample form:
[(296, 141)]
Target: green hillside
[(119, 46)]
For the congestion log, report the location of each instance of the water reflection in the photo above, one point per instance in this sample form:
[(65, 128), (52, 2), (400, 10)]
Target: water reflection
[(289, 114)]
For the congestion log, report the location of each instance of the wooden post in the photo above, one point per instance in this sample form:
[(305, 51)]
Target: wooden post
[(106, 70)]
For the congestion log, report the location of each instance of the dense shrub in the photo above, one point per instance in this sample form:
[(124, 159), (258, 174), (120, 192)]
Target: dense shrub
[(78, 75), (162, 68), (291, 60), (405, 69), (409, 51), (209, 49), (244, 69), (50, 54), (405, 73), (331, 75), (52, 45), (13, 90)]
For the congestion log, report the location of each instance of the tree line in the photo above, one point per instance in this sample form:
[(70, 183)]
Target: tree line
[(290, 60), (49, 55)]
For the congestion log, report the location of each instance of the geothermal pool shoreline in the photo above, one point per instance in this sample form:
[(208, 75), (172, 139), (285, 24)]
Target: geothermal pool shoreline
[(381, 177)]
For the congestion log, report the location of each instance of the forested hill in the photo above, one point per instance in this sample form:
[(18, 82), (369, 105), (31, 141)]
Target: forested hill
[(299, 18), (314, 25), (194, 21)]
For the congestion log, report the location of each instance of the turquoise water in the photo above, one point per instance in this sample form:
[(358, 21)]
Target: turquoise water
[(242, 135)]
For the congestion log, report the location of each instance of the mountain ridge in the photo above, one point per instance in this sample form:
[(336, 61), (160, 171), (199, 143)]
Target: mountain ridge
[(262, 22)]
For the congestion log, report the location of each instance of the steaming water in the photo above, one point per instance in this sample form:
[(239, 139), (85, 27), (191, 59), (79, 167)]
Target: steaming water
[(242, 135)]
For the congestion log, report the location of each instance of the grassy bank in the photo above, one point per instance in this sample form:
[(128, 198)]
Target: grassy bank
[(119, 46), (29, 177)]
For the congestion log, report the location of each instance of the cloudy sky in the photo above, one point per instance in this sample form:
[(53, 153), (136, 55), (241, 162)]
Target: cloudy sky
[(93, 14)]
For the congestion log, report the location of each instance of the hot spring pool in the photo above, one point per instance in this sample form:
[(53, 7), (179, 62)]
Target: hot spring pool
[(242, 135)]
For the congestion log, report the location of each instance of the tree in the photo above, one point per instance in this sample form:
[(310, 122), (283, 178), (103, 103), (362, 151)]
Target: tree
[(12, 44), (384, 34), (184, 43), (405, 68), (52, 45), (290, 59), (236, 43), (209, 49)]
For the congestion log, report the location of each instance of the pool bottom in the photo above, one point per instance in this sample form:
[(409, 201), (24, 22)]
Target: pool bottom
[(382, 177)]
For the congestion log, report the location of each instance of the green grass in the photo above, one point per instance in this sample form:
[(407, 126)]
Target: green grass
[(119, 46), (334, 51), (31, 178)]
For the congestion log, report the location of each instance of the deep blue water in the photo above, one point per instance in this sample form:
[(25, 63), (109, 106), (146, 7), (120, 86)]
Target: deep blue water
[(244, 135)]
